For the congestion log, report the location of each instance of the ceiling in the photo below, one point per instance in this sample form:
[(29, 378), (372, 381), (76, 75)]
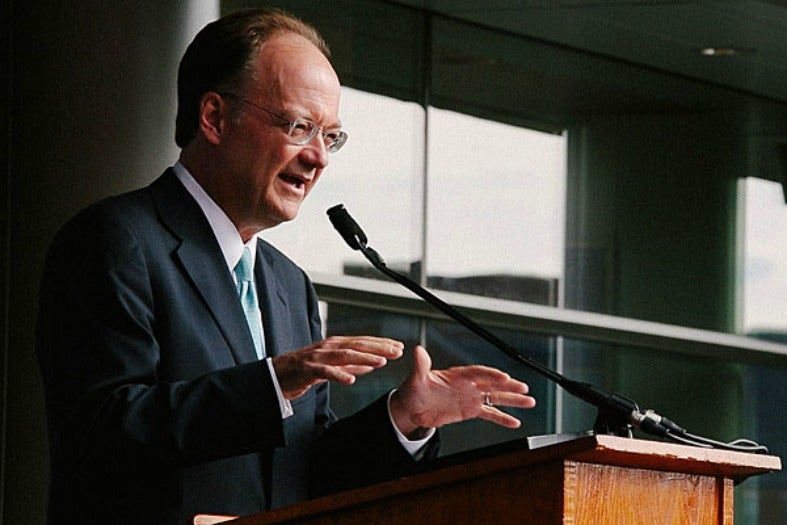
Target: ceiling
[(564, 61), (667, 36)]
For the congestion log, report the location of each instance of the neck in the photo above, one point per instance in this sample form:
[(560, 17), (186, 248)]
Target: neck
[(211, 177)]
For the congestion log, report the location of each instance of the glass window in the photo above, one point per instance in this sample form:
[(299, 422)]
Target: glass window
[(764, 290), (765, 257), (496, 207), (764, 497)]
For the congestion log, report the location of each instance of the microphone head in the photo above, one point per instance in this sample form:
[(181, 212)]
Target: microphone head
[(352, 233)]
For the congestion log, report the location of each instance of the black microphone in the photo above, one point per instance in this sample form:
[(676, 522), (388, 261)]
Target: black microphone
[(616, 414), (347, 227), (354, 236)]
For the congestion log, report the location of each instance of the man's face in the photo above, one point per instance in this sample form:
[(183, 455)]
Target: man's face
[(269, 174)]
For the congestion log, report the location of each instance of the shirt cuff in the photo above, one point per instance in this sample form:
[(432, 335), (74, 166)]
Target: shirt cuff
[(413, 447), (284, 404)]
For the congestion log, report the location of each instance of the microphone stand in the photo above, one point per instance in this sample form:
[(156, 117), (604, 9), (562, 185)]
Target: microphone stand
[(616, 414)]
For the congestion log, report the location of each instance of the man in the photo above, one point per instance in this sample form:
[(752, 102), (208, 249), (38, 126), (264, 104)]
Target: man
[(161, 401)]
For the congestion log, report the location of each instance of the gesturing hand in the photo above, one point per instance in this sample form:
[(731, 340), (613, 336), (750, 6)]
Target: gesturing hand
[(433, 398), (338, 359)]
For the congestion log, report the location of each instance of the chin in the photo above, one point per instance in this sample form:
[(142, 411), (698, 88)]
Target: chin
[(282, 216)]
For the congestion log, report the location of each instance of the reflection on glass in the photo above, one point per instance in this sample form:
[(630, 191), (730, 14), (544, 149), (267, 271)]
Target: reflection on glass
[(765, 257), (377, 175), (496, 204), (765, 392)]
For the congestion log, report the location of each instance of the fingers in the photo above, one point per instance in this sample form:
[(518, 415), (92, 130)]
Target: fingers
[(360, 351), (493, 415), (509, 399), (487, 379), (491, 400), (357, 370), (476, 391), (338, 359), (344, 357), (378, 346)]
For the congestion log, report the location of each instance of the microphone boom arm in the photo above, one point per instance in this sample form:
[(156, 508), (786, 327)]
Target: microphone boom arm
[(616, 414), (615, 411)]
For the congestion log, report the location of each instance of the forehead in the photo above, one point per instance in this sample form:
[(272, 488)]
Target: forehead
[(294, 75)]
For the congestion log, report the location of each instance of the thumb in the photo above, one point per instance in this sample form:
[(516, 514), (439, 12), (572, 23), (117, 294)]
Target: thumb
[(422, 362)]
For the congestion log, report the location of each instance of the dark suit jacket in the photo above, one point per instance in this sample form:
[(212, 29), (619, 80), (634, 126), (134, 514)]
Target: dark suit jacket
[(157, 407)]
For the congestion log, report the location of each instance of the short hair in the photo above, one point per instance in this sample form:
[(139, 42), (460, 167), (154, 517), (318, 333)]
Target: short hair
[(221, 57)]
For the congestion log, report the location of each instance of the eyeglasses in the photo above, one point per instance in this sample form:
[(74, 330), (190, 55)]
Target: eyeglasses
[(300, 130)]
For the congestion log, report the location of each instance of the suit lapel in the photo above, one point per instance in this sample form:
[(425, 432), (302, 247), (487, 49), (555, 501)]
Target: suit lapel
[(203, 263), (273, 300)]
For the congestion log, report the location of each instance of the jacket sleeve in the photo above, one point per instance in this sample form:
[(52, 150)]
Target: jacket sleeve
[(363, 449)]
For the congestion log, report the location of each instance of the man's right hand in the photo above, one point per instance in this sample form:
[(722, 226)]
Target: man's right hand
[(339, 359)]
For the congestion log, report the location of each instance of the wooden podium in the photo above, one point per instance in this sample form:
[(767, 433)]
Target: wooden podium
[(590, 480)]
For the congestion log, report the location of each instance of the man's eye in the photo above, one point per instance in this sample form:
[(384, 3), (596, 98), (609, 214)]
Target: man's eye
[(302, 126)]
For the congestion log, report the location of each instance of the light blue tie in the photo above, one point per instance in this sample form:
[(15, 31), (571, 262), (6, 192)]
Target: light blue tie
[(244, 272)]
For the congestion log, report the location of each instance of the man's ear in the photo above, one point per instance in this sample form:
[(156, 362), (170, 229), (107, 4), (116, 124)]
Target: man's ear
[(214, 114)]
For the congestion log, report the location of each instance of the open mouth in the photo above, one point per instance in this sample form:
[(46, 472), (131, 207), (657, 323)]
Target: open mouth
[(292, 180)]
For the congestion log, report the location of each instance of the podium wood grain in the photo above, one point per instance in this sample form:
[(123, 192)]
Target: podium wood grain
[(592, 480)]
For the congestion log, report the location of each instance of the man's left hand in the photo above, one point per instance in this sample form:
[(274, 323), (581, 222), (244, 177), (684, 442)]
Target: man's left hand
[(433, 398)]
